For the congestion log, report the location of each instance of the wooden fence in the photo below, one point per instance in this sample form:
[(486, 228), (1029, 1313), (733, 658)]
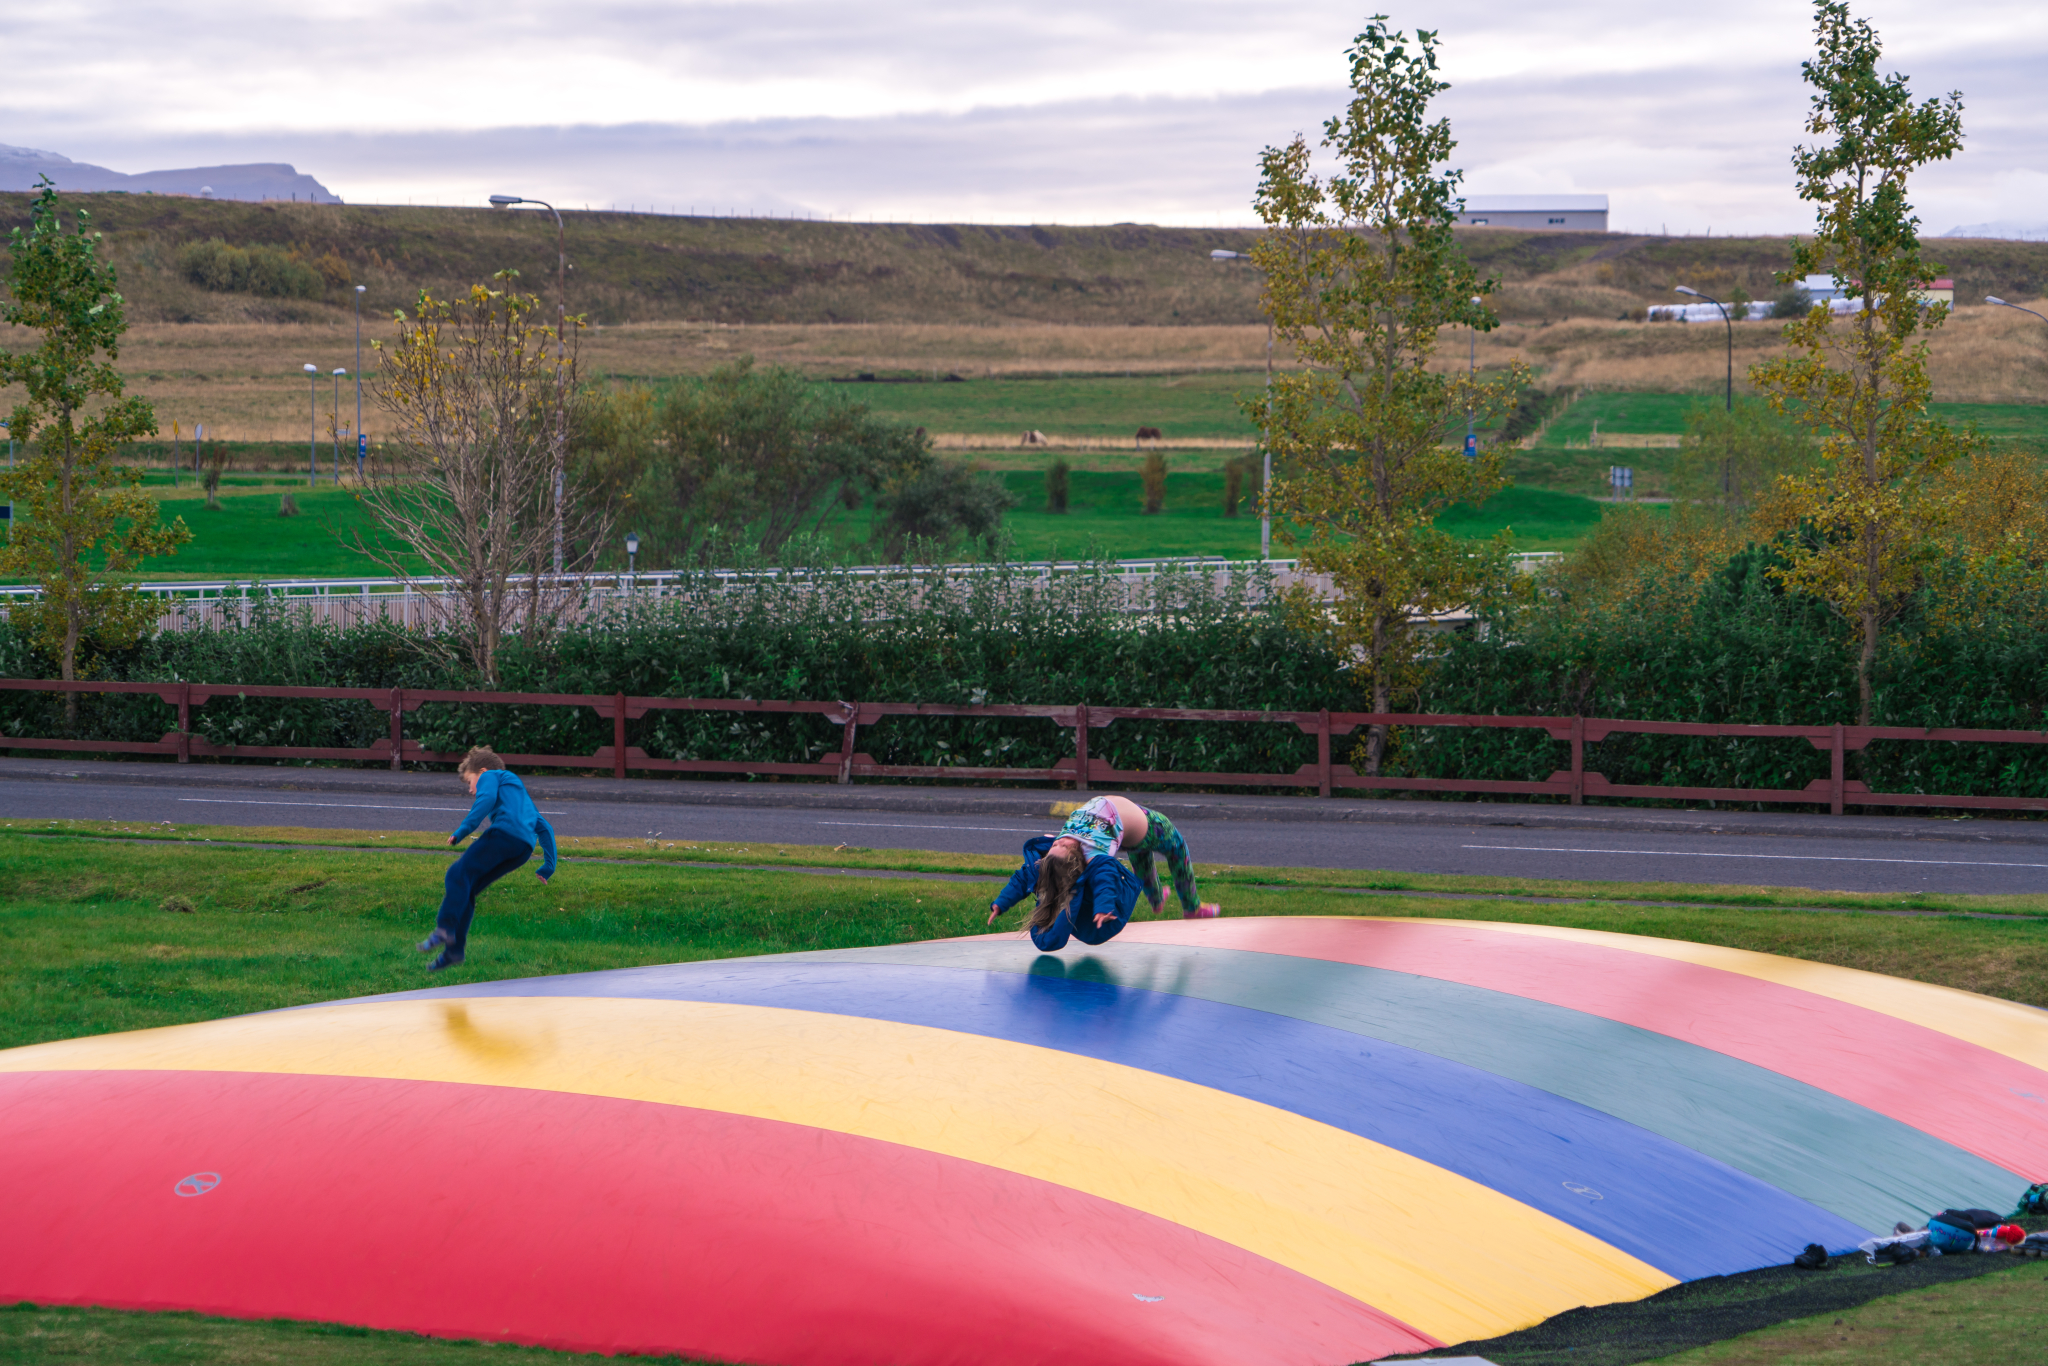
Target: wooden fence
[(1326, 775)]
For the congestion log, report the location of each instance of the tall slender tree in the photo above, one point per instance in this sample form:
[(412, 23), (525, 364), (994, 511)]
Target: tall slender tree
[(1867, 518), (81, 522), (1361, 271)]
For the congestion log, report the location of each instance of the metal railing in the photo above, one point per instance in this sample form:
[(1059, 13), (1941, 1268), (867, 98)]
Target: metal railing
[(667, 580), (1079, 769)]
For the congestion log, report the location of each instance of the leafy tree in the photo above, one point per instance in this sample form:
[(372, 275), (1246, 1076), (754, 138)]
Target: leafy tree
[(1058, 480), (81, 523), (1872, 510), (746, 459), (936, 504), (1361, 271), (465, 484), (1732, 458)]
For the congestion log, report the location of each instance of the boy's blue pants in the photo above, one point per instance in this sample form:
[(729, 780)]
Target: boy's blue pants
[(492, 855)]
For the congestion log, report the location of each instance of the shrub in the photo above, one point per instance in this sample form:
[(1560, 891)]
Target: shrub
[(1056, 486), (269, 271), (1155, 481)]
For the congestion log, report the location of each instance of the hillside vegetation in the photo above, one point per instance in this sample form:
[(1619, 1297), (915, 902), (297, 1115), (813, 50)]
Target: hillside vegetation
[(646, 268)]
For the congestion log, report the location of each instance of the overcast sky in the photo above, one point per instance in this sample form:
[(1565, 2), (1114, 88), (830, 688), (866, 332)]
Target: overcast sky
[(1051, 111)]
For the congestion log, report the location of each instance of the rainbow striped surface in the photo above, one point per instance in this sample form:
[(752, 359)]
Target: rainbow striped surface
[(1241, 1140)]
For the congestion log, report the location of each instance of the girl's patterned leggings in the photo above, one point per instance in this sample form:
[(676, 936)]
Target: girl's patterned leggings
[(1162, 839)]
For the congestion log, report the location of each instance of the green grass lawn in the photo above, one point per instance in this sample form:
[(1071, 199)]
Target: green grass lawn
[(1666, 414), (1203, 405), (245, 538), (1641, 414), (105, 927), (2025, 421)]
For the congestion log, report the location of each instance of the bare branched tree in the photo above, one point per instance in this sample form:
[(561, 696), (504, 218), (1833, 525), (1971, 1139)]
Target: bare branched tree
[(466, 487)]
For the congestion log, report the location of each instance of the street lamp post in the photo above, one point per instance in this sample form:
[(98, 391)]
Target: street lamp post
[(359, 385), (1994, 299), (506, 201), (338, 373), (632, 554), (312, 426), (1471, 378), (1265, 427), (1730, 324)]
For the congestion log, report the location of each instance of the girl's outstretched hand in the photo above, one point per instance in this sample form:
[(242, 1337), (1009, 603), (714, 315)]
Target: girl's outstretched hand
[(1103, 918), (542, 876), (993, 912)]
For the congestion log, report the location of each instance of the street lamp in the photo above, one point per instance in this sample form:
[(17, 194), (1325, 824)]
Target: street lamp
[(338, 373), (1994, 299), (506, 201), (1471, 378), (1265, 425), (1730, 323), (361, 441), (312, 426), (632, 551)]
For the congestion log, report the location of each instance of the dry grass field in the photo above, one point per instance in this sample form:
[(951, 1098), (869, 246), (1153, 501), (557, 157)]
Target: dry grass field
[(244, 381), (676, 295)]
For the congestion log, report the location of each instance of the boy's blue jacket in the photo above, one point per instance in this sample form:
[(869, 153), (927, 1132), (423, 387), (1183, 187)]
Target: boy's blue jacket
[(501, 799), (1105, 885)]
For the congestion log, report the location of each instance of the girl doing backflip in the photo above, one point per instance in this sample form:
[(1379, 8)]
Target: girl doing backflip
[(1082, 890)]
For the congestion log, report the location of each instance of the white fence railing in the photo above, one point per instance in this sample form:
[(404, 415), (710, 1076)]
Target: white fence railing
[(198, 605)]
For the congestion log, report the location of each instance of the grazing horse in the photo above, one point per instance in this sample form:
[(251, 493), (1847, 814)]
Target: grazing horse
[(1150, 434), (1034, 438)]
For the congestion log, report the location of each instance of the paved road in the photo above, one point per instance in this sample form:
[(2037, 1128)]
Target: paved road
[(1832, 864)]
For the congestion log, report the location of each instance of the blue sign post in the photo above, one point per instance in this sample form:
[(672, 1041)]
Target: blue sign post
[(1471, 446), (362, 450)]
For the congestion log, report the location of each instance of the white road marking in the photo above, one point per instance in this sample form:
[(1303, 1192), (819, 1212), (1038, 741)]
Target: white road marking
[(338, 806), (893, 825), (1809, 858)]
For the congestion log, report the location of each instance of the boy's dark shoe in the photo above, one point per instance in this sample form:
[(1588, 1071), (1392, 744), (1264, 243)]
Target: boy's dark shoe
[(434, 941), (449, 958)]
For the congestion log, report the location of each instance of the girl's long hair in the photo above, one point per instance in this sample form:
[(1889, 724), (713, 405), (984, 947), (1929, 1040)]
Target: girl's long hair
[(1058, 874)]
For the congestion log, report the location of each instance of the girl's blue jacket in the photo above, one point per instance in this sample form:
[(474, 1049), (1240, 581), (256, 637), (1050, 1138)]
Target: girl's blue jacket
[(1105, 885), (501, 799)]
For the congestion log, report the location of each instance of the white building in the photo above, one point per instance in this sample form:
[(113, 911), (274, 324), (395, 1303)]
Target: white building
[(1544, 212)]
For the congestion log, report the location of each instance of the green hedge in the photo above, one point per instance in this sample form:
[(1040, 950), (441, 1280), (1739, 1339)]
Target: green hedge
[(1004, 637), (1740, 651)]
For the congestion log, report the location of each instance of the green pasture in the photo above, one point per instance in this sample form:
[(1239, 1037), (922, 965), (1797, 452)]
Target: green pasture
[(1665, 414), (1096, 406), (106, 926)]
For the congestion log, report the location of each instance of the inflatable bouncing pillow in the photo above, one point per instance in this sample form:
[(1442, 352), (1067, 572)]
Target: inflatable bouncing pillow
[(1306, 1141)]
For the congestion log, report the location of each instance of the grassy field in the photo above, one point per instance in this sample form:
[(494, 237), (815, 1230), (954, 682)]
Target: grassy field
[(1093, 406), (109, 927), (95, 940), (1992, 1320)]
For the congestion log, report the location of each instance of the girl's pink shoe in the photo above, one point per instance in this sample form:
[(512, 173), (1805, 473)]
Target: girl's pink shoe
[(1208, 910)]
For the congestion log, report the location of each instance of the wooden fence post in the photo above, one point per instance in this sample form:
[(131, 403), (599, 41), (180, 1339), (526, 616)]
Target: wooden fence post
[(1081, 748), (184, 723), (619, 736), (1323, 752), (1578, 761), (846, 744), (397, 729), (1835, 747)]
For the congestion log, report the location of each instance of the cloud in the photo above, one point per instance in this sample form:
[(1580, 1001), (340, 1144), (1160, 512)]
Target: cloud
[(1052, 111)]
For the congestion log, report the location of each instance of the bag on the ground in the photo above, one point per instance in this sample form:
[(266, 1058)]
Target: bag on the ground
[(2033, 1206), (1815, 1258)]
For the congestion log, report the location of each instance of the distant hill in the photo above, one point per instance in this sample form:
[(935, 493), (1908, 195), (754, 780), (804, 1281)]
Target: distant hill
[(20, 167), (644, 267)]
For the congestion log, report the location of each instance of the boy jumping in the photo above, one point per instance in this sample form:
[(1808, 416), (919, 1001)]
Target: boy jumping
[(515, 825)]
